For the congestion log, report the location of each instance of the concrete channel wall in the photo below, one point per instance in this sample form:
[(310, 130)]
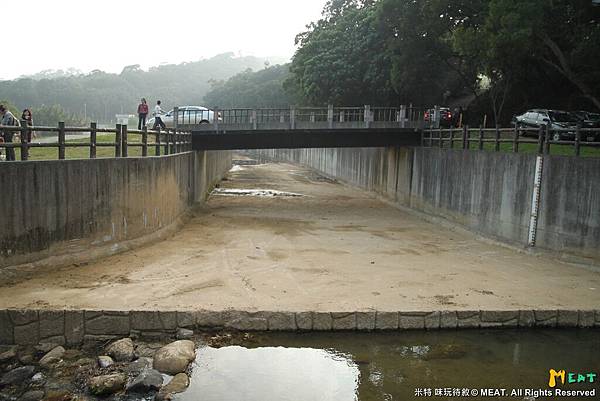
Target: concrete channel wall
[(67, 211), (487, 192), (23, 327)]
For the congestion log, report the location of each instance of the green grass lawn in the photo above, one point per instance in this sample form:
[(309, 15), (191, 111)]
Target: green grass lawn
[(84, 152)]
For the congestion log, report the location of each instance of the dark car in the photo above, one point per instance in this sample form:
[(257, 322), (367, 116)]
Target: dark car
[(562, 124), (588, 119), (446, 117)]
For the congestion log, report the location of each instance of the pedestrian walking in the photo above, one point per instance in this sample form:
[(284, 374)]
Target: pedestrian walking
[(158, 122), (8, 119), (28, 118), (142, 113)]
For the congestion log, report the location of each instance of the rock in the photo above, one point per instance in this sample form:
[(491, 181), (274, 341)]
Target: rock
[(44, 348), (38, 378), (139, 365), (106, 384), (17, 375), (8, 355), (52, 357), (175, 357), (84, 362), (59, 395), (178, 384), (122, 350), (105, 361), (447, 351), (36, 395), (148, 380), (184, 334)]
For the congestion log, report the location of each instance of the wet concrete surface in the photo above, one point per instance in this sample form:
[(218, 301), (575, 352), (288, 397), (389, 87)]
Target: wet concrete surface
[(335, 248)]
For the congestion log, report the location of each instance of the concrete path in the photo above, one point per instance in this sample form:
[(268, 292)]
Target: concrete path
[(333, 249)]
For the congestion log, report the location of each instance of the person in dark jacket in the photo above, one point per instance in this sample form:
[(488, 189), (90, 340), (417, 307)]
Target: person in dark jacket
[(142, 113), (28, 118), (8, 119)]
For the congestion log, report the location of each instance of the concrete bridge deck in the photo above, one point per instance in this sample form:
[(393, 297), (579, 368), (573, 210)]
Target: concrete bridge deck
[(334, 249)]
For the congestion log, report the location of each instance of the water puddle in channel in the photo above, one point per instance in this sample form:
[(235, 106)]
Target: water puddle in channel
[(253, 192), (385, 367)]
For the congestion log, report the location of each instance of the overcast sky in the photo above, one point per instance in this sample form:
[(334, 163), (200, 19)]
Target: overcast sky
[(110, 34)]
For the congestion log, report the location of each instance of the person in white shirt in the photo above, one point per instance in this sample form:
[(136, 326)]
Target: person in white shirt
[(157, 120)]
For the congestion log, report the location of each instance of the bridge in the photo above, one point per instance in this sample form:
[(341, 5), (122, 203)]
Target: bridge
[(309, 127)]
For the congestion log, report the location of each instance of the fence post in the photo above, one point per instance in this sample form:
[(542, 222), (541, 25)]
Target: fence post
[(144, 141), (92, 140), (24, 143), (61, 140), (497, 148), (481, 137), (216, 119), (541, 140), (441, 140), (367, 116), (292, 117), (402, 116), (167, 141), (451, 138), (465, 132), (516, 139), (547, 140), (118, 140), (254, 117), (578, 140), (157, 143), (330, 116), (124, 146), (175, 129)]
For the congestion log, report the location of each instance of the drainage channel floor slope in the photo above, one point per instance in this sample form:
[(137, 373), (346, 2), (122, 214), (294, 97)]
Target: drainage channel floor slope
[(335, 248)]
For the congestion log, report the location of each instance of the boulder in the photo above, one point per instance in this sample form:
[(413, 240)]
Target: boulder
[(178, 384), (175, 357), (106, 384), (122, 350), (148, 380), (105, 361), (17, 375), (52, 357)]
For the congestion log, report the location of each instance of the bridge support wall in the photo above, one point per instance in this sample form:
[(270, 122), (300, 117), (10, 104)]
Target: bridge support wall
[(486, 192), (67, 211)]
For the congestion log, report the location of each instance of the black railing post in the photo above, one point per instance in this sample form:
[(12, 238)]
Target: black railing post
[(24, 140), (548, 139), (497, 144), (541, 134), (481, 137), (157, 143), (124, 145), (144, 141), (578, 140), (92, 140), (118, 140), (465, 140), (516, 139), (61, 140)]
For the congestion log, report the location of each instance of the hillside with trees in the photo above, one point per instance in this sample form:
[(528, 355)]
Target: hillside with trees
[(99, 95)]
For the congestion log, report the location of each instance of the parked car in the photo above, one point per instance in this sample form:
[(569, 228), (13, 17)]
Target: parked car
[(562, 124), (446, 117), (588, 119), (188, 115)]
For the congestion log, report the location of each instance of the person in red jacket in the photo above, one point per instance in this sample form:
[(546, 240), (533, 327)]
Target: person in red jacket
[(142, 113)]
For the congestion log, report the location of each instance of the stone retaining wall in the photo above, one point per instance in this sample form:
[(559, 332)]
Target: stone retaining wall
[(22, 327)]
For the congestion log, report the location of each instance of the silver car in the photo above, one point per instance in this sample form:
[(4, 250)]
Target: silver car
[(188, 115)]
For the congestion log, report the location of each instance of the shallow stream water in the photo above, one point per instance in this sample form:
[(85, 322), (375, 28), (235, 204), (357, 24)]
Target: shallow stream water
[(355, 366)]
